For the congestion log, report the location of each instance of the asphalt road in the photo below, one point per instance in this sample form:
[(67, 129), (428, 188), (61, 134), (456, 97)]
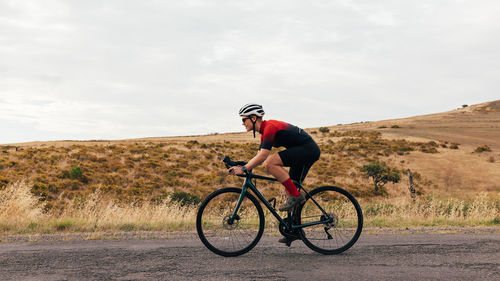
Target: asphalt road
[(374, 257)]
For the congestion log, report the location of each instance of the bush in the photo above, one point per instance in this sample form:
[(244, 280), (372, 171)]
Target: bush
[(185, 198), (429, 147), (429, 150), (191, 143), (128, 227), (75, 173), (496, 220), (3, 182), (482, 148), (324, 130), (64, 224)]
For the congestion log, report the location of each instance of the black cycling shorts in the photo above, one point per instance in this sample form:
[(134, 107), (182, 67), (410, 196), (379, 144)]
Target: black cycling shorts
[(300, 159)]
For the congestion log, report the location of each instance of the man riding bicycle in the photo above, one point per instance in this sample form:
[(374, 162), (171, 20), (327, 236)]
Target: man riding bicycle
[(300, 154)]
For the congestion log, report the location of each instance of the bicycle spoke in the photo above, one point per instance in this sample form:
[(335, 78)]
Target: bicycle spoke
[(222, 233), (344, 220)]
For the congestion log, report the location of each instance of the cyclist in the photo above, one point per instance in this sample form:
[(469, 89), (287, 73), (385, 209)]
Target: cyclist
[(300, 154)]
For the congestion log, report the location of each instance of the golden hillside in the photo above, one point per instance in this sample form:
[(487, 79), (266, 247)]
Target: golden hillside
[(471, 126), (455, 172), (440, 149)]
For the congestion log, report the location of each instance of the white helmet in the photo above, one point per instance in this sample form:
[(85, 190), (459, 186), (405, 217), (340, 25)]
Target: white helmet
[(252, 109)]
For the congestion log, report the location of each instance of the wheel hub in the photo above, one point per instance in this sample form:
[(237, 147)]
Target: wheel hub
[(334, 220), (230, 223)]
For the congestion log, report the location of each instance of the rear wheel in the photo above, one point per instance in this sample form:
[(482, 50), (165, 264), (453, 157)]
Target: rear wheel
[(223, 234), (343, 220)]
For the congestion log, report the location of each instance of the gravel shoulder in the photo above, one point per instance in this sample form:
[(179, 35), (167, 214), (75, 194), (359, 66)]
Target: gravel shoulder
[(64, 236)]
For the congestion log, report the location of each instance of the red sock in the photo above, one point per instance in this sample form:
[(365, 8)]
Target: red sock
[(291, 188)]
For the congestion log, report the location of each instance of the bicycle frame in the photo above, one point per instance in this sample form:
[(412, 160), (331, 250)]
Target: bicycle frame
[(289, 225)]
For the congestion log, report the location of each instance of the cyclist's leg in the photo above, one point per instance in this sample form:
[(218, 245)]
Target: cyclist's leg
[(301, 159), (275, 167), (299, 172)]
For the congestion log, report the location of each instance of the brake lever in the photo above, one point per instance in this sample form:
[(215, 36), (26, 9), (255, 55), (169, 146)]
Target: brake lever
[(230, 163), (227, 161)]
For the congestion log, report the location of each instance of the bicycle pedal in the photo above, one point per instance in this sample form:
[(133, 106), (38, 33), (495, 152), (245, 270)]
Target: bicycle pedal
[(290, 240)]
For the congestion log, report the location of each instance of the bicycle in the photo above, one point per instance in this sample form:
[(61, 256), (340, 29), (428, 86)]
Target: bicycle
[(230, 221)]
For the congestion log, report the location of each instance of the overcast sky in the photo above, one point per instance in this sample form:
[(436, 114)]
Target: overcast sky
[(126, 69)]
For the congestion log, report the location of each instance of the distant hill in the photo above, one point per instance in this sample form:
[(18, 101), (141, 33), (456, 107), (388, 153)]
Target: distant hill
[(471, 125), (452, 154)]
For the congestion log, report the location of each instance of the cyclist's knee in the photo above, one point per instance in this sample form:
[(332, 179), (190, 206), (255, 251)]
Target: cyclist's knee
[(267, 164), (271, 162)]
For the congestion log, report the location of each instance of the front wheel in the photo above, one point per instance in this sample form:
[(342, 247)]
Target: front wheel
[(343, 220), (224, 234)]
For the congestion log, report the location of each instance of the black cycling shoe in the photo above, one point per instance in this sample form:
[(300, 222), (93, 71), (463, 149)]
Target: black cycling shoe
[(287, 240)]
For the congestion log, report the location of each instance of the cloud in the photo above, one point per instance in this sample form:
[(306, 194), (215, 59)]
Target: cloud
[(130, 68)]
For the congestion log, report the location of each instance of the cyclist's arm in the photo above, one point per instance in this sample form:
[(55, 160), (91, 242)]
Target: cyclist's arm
[(258, 159)]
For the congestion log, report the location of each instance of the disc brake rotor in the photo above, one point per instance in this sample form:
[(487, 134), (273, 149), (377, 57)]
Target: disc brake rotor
[(230, 224), (334, 220)]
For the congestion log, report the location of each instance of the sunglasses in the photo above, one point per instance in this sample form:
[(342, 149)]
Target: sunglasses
[(245, 119)]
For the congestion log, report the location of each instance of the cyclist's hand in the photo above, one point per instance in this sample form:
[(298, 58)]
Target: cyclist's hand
[(236, 170)]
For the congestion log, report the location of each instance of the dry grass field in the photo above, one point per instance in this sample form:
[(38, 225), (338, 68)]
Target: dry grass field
[(156, 183), (457, 173)]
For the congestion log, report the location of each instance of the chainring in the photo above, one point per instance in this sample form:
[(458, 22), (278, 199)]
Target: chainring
[(289, 233)]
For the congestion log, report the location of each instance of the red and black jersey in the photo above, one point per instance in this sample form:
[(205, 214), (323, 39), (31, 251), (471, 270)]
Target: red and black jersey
[(277, 133)]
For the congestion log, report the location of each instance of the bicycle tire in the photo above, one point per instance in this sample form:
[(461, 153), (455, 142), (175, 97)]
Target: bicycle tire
[(224, 238), (347, 221)]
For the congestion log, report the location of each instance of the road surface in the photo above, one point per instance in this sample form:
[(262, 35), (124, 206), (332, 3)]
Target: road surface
[(373, 257)]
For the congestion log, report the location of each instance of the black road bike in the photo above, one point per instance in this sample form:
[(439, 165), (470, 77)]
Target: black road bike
[(230, 221)]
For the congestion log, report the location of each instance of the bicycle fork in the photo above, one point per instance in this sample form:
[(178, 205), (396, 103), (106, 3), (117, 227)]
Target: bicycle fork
[(235, 216)]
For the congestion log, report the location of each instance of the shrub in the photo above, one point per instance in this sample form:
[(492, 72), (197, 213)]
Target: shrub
[(324, 130), (128, 227), (395, 127), (432, 144), (429, 150), (3, 182), (64, 224), (191, 143), (75, 173), (496, 220), (185, 198), (482, 148), (429, 147)]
